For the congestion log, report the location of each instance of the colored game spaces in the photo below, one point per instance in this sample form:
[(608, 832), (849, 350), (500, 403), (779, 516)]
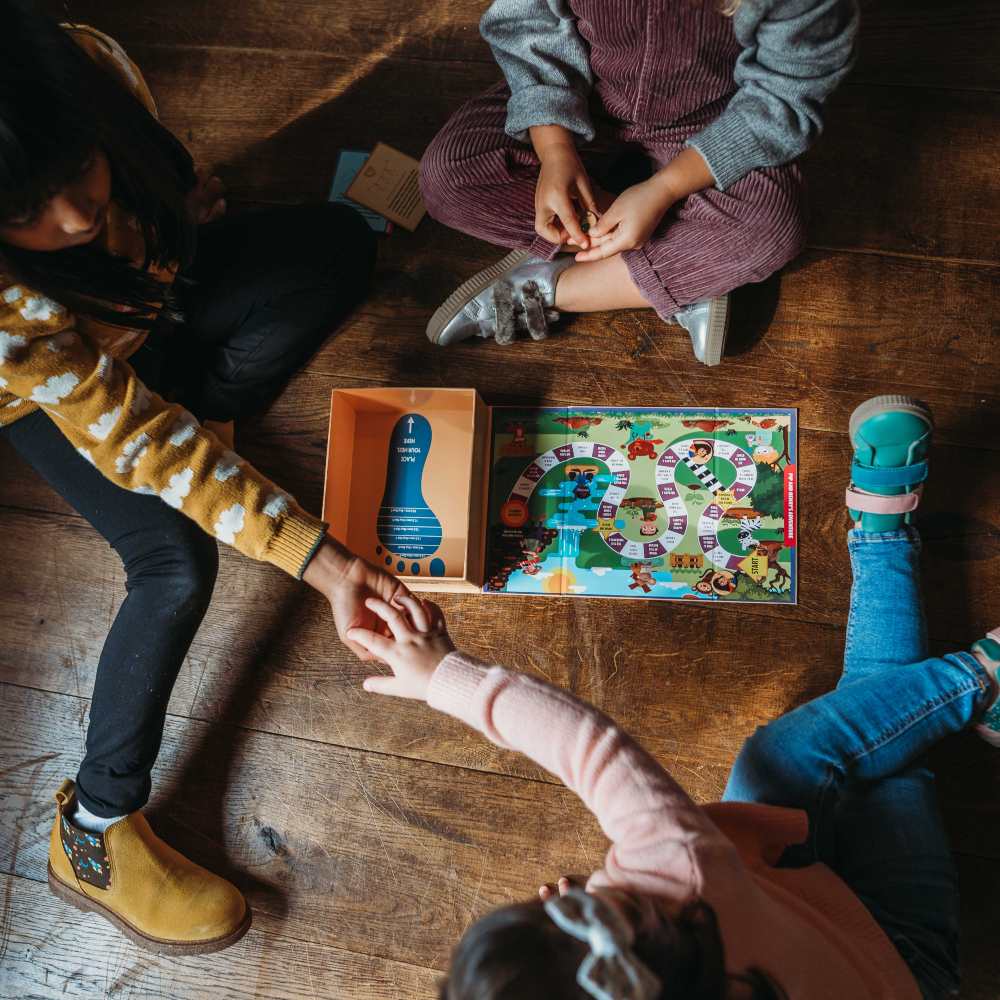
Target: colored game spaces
[(659, 503)]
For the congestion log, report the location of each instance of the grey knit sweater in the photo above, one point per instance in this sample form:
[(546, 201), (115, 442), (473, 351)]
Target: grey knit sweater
[(794, 54)]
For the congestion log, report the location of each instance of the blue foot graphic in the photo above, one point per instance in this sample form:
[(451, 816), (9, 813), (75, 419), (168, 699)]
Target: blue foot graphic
[(406, 526)]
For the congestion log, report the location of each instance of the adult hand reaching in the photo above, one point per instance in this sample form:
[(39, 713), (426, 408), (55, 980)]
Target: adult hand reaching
[(347, 582)]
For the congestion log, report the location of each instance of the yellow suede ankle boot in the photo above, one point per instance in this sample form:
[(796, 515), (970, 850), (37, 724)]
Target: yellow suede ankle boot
[(151, 893)]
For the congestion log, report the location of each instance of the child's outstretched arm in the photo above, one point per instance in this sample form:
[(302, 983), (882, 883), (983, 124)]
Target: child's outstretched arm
[(655, 828), (795, 54)]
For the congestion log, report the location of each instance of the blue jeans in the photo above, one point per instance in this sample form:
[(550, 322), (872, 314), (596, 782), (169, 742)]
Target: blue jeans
[(852, 759)]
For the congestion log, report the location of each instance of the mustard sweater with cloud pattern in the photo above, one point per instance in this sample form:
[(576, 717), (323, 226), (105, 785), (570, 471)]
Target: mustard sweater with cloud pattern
[(76, 370)]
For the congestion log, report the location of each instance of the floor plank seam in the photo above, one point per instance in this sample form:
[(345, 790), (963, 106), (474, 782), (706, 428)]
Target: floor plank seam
[(487, 60), (310, 741), (284, 938), (974, 262)]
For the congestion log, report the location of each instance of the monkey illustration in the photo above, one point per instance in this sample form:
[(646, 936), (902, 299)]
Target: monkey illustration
[(642, 576), (716, 582)]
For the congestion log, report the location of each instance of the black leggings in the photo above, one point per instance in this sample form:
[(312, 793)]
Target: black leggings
[(267, 290)]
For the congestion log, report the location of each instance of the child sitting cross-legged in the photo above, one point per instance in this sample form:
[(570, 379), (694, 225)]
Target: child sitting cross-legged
[(825, 873), (714, 101)]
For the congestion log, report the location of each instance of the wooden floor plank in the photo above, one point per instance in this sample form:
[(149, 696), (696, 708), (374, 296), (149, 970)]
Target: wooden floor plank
[(49, 951), (368, 833), (361, 852), (339, 853), (831, 331), (919, 43), (53, 630)]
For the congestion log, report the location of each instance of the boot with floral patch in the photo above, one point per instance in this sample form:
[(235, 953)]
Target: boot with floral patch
[(151, 893)]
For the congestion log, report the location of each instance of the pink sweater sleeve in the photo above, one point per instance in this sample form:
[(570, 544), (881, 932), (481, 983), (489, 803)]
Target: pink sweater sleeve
[(657, 832)]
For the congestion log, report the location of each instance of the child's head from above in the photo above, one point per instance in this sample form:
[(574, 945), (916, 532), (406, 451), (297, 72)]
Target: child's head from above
[(54, 209), (72, 137), (608, 945)]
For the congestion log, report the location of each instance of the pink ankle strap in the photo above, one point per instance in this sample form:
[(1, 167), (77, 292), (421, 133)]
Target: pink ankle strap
[(994, 634), (870, 503)]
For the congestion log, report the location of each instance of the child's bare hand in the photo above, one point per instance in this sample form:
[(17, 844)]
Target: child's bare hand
[(563, 193), (419, 642), (630, 221)]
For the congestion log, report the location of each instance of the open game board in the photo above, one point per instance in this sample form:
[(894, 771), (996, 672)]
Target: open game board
[(662, 503)]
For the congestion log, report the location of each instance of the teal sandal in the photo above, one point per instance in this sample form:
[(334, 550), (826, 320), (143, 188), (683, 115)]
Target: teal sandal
[(988, 727), (890, 435)]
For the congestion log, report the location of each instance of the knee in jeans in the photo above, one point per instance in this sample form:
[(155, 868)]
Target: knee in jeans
[(181, 566), (768, 756)]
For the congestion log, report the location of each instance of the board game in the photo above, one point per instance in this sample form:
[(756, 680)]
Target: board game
[(665, 503)]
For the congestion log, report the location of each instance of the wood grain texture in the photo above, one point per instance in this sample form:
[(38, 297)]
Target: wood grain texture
[(45, 944), (900, 170), (368, 833), (51, 952), (355, 851), (690, 683), (902, 42), (282, 145), (831, 331)]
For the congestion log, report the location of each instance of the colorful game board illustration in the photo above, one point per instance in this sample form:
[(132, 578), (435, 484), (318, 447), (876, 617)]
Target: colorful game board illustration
[(660, 503)]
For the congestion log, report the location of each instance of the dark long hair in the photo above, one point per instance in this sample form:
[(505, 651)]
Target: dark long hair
[(57, 107), (518, 953)]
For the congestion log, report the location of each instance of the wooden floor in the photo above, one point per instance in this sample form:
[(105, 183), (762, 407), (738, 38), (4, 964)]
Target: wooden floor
[(367, 833)]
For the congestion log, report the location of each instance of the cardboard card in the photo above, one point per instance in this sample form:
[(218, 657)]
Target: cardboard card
[(349, 164), (388, 183)]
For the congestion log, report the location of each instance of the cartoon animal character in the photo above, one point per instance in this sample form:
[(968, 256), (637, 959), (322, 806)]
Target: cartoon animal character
[(767, 454), (737, 513), (578, 423), (701, 452), (764, 451), (642, 577), (716, 582), (582, 476), (706, 425), (643, 448), (744, 535), (769, 550), (519, 444), (766, 423)]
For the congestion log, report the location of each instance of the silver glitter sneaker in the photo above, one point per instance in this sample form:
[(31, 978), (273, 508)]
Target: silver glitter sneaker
[(516, 293), (708, 323)]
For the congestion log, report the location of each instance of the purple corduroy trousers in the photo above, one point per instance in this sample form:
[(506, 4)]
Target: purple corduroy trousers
[(663, 70)]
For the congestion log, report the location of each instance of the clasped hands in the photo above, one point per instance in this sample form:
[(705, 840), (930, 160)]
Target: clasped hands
[(565, 197), (378, 618)]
